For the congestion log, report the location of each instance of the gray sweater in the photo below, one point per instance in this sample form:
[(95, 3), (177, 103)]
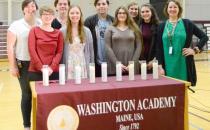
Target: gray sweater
[(88, 50), (121, 46)]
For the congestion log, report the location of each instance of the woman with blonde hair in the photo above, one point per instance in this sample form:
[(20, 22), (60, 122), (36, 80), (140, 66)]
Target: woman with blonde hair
[(123, 42), (78, 46)]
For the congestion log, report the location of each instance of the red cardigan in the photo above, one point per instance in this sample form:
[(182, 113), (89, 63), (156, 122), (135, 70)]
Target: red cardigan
[(45, 48)]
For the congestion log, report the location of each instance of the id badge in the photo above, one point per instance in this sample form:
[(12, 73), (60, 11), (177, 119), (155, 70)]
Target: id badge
[(170, 50)]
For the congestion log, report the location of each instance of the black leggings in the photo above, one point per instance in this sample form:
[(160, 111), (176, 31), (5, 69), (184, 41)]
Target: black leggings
[(26, 93)]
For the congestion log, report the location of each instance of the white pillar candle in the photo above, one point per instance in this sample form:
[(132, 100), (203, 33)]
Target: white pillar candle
[(131, 70), (155, 69), (77, 72), (104, 72), (45, 75), (143, 70), (118, 71), (92, 72), (62, 74)]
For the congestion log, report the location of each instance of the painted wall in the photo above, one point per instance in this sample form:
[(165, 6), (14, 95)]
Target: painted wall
[(194, 9)]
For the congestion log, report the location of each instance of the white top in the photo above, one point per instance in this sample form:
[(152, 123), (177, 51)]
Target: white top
[(21, 29)]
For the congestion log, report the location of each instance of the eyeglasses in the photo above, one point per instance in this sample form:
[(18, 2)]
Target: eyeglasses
[(47, 14)]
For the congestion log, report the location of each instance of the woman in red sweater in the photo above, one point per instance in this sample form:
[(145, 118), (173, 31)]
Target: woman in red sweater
[(45, 46)]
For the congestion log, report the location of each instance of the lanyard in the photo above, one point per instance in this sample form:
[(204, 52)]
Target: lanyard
[(170, 34)]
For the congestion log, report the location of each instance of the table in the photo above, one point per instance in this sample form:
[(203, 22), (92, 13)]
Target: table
[(138, 105)]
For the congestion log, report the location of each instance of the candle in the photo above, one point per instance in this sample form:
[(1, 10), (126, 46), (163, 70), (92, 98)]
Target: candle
[(143, 70), (118, 71), (62, 74), (155, 69), (77, 74), (131, 70), (45, 75), (104, 72), (92, 72)]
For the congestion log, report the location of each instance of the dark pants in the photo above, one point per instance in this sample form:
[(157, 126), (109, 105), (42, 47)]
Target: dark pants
[(98, 70), (26, 93), (37, 76)]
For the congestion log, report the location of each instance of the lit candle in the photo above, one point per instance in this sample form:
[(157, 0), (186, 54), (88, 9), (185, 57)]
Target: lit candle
[(45, 75), (77, 74), (104, 72), (62, 74), (131, 70), (92, 72), (143, 70), (155, 69), (118, 71)]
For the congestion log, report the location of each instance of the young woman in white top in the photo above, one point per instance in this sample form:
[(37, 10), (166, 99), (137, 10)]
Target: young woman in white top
[(18, 55)]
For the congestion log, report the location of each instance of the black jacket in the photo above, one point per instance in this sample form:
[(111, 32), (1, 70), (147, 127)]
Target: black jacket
[(191, 29)]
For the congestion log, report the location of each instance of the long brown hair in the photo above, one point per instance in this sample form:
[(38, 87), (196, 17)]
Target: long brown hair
[(80, 27), (154, 18), (129, 22)]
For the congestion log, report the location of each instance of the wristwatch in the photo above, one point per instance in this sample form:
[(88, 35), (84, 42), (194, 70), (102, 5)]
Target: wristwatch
[(196, 49)]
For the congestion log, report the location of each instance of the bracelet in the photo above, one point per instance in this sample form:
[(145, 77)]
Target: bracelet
[(197, 50)]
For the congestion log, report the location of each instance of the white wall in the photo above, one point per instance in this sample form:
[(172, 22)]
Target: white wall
[(197, 9)]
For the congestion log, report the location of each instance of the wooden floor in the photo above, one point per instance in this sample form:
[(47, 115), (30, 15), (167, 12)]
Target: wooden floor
[(199, 102)]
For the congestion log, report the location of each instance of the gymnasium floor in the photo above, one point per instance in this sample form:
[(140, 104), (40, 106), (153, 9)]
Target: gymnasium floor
[(199, 102)]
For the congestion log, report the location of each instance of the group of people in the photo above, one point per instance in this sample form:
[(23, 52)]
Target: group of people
[(134, 33)]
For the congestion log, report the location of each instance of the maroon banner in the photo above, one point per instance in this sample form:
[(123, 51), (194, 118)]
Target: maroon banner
[(127, 105)]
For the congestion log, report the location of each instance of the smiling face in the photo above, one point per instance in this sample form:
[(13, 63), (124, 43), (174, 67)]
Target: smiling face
[(102, 7), (122, 15), (62, 6), (173, 10), (74, 15), (133, 11), (30, 9), (146, 13), (47, 18)]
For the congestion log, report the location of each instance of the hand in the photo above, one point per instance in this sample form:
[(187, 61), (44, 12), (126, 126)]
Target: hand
[(188, 51), (161, 70), (15, 72), (149, 65), (50, 71), (124, 68)]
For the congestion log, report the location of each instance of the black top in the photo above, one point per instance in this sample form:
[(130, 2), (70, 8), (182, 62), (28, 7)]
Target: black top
[(191, 29), (56, 24)]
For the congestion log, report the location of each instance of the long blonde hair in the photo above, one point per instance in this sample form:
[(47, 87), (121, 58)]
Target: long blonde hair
[(80, 27)]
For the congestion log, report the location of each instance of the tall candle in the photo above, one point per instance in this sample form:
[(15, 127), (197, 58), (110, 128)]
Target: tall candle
[(118, 71), (92, 72), (155, 69), (77, 74), (104, 72), (143, 70), (45, 75), (62, 74), (131, 70)]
